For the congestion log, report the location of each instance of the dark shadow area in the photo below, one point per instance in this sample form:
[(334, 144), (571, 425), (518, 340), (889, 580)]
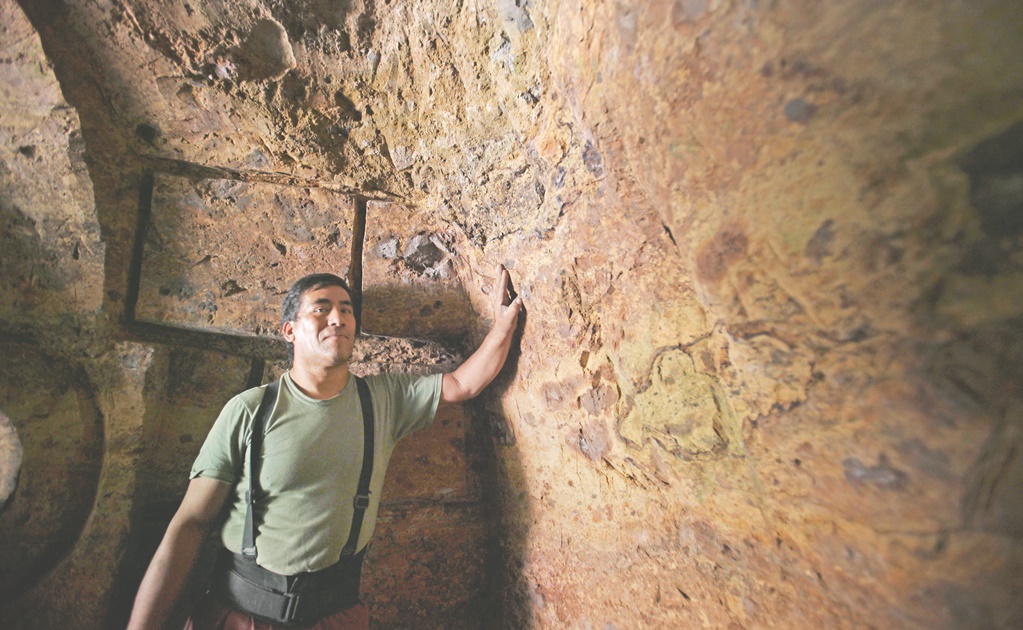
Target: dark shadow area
[(995, 167), (148, 525), (979, 371), (973, 371), (184, 390), (508, 599)]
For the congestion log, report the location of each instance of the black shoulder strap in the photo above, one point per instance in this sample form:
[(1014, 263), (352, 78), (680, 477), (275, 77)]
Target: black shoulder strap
[(362, 495), (255, 448)]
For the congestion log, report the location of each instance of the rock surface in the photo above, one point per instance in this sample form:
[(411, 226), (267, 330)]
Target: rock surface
[(771, 256)]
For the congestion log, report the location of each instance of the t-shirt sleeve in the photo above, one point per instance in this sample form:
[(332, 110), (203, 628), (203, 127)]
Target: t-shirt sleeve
[(222, 454), (413, 400)]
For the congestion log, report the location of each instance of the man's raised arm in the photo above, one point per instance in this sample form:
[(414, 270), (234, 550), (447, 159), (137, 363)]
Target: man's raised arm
[(471, 377), (174, 559)]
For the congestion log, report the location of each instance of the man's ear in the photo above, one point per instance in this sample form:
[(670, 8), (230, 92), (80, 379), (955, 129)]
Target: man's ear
[(288, 330)]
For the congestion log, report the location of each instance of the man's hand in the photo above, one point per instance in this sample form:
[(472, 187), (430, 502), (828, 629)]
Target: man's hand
[(506, 305), (478, 370)]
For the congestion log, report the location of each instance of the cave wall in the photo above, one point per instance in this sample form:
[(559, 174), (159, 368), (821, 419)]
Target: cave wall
[(769, 368)]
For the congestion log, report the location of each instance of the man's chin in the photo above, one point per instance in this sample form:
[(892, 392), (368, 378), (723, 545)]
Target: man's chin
[(341, 359)]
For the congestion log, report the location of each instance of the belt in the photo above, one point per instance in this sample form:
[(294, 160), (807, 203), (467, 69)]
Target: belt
[(291, 600)]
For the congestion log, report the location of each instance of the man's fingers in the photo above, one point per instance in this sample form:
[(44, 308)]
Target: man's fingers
[(501, 286)]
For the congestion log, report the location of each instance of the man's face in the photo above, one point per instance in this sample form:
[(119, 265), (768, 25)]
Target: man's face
[(323, 332)]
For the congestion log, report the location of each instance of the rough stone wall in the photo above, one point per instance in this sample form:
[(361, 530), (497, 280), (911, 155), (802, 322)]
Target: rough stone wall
[(51, 251), (769, 369)]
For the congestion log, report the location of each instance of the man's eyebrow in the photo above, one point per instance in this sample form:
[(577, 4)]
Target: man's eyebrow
[(328, 302)]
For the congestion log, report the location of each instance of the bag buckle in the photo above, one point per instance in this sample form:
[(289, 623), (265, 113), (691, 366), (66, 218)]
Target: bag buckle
[(289, 608), (361, 501)]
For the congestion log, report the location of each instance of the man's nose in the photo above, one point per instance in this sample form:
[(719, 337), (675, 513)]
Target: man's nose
[(336, 318)]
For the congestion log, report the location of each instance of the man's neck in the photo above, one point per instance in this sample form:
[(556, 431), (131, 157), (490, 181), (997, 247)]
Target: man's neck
[(320, 383)]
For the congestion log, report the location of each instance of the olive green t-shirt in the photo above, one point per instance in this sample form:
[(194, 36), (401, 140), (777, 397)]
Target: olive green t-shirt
[(311, 460)]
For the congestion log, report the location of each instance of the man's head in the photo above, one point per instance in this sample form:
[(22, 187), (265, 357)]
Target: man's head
[(311, 299)]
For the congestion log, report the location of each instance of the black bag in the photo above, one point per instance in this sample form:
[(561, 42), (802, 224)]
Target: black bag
[(289, 600)]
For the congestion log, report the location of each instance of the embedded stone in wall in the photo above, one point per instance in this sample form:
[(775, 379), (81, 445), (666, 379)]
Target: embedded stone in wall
[(266, 53), (10, 458), (222, 253)]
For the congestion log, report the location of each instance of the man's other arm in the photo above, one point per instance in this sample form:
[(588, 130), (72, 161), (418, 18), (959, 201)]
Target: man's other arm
[(471, 377), (176, 556)]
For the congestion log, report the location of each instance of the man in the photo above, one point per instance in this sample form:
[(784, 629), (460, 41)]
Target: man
[(309, 471)]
